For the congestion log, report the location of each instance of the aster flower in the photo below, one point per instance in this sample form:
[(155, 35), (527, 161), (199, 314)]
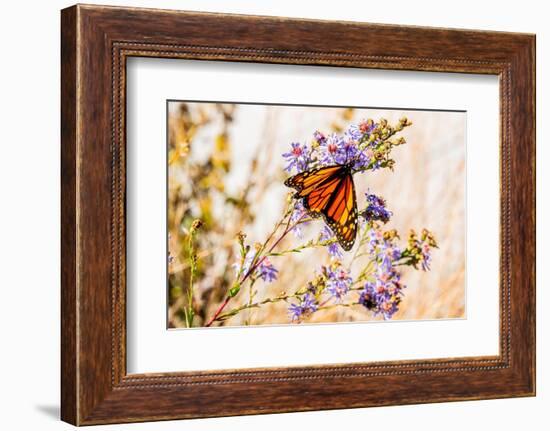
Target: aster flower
[(367, 126), (319, 138), (368, 297), (389, 253), (364, 146), (338, 283), (298, 213), (383, 247), (362, 160), (376, 209), (331, 150), (345, 149), (353, 133), (418, 250), (426, 257), (339, 150), (350, 152), (297, 158), (266, 271), (307, 306), (334, 248), (374, 237), (378, 301), (383, 294)]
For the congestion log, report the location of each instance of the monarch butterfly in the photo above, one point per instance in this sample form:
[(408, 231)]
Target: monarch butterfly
[(329, 191)]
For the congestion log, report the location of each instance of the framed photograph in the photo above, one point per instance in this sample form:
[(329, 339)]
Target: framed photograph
[(263, 215)]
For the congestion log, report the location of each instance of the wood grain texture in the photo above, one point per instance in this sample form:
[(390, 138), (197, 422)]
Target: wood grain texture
[(69, 330), (96, 41)]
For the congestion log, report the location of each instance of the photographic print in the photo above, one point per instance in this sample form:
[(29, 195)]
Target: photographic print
[(288, 214)]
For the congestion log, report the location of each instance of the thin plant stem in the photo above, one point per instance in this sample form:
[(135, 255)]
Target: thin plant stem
[(189, 311), (257, 262)]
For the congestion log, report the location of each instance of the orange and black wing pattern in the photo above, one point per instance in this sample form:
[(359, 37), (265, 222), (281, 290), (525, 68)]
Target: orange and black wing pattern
[(330, 192)]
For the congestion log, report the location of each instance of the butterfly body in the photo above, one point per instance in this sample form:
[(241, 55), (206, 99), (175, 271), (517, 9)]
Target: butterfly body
[(329, 192)]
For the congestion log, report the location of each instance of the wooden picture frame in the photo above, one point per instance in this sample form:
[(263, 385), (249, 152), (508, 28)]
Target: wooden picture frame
[(96, 41)]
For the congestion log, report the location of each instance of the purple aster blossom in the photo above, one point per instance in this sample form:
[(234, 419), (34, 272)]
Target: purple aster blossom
[(307, 306), (378, 302), (426, 257), (266, 271), (374, 238), (353, 133), (389, 308), (366, 127), (338, 283), (332, 150), (297, 157), (383, 295), (334, 248), (362, 160), (368, 297), (342, 150), (389, 253), (298, 213), (376, 209), (419, 251), (326, 234), (319, 137), (383, 250), (386, 273), (350, 152), (338, 150)]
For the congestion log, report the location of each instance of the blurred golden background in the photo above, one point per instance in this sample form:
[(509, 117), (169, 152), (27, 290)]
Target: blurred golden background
[(225, 168)]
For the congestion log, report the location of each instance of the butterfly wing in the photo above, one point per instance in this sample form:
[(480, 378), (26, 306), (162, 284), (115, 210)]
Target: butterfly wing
[(330, 192), (340, 212), (305, 182)]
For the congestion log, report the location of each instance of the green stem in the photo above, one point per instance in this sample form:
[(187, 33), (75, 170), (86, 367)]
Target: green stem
[(258, 304), (309, 244), (189, 311), (251, 295), (256, 261), (338, 304)]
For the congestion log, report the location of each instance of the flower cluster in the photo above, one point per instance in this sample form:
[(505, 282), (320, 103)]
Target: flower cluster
[(378, 286), (366, 146), (266, 271), (297, 158), (383, 294), (307, 306), (419, 250), (338, 282), (257, 267), (376, 209), (382, 246), (328, 237), (296, 217), (333, 283)]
